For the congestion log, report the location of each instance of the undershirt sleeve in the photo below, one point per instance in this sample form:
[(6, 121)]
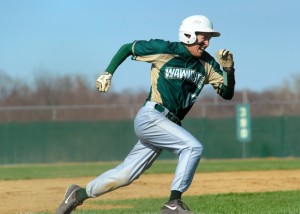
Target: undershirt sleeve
[(120, 56)]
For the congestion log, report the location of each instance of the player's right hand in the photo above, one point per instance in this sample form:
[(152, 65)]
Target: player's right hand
[(103, 82)]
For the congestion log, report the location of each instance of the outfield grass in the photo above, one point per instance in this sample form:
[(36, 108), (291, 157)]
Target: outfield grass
[(254, 203), (71, 170)]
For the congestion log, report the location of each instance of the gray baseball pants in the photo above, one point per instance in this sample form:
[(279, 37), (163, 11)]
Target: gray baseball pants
[(155, 133)]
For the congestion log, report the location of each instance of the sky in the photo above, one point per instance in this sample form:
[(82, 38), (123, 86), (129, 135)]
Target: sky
[(80, 37)]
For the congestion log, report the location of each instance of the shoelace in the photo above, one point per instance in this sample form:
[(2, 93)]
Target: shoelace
[(183, 205)]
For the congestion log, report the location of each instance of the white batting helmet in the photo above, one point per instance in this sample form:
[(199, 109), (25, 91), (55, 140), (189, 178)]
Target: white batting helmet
[(193, 24)]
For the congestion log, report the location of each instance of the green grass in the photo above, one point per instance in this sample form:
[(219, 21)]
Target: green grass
[(287, 202), (71, 170)]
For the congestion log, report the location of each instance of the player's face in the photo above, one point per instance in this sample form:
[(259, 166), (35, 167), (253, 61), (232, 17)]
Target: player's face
[(200, 45)]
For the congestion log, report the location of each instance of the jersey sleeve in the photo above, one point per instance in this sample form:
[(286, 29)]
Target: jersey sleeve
[(148, 51)]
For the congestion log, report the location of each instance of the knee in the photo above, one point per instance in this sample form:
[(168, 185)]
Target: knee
[(194, 149), (198, 149), (122, 177)]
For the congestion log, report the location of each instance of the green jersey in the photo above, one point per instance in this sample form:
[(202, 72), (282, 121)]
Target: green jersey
[(177, 77)]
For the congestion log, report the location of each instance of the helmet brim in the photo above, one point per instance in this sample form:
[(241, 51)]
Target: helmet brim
[(213, 33)]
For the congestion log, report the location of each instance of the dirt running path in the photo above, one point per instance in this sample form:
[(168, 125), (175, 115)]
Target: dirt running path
[(29, 196)]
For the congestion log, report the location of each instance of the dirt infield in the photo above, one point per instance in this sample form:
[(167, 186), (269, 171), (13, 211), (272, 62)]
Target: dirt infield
[(29, 196)]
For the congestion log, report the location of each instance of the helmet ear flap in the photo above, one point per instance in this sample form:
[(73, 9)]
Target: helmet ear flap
[(187, 37)]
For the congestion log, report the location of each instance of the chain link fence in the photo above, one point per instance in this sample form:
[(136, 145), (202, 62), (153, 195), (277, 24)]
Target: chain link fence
[(128, 111)]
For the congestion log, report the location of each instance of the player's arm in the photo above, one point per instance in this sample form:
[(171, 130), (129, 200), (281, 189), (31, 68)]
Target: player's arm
[(104, 81), (226, 90), (223, 81)]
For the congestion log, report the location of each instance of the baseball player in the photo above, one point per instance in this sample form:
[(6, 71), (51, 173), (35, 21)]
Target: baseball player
[(179, 70)]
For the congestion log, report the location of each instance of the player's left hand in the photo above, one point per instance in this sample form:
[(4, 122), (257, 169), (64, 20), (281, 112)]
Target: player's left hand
[(225, 58), (103, 82)]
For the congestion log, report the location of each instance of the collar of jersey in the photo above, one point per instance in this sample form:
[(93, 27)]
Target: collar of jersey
[(184, 52)]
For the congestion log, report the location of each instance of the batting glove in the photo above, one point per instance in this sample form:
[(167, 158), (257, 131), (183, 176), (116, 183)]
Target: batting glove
[(104, 81), (225, 58)]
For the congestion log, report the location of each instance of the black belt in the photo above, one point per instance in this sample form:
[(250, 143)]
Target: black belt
[(170, 115)]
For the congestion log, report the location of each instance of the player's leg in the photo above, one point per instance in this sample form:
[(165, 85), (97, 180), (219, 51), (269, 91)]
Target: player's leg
[(162, 133), (138, 160), (189, 152)]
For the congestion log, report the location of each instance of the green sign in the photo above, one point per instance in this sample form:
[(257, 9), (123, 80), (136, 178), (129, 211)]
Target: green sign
[(243, 121)]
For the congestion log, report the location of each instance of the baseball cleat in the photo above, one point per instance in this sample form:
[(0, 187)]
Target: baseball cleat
[(70, 202), (175, 206)]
